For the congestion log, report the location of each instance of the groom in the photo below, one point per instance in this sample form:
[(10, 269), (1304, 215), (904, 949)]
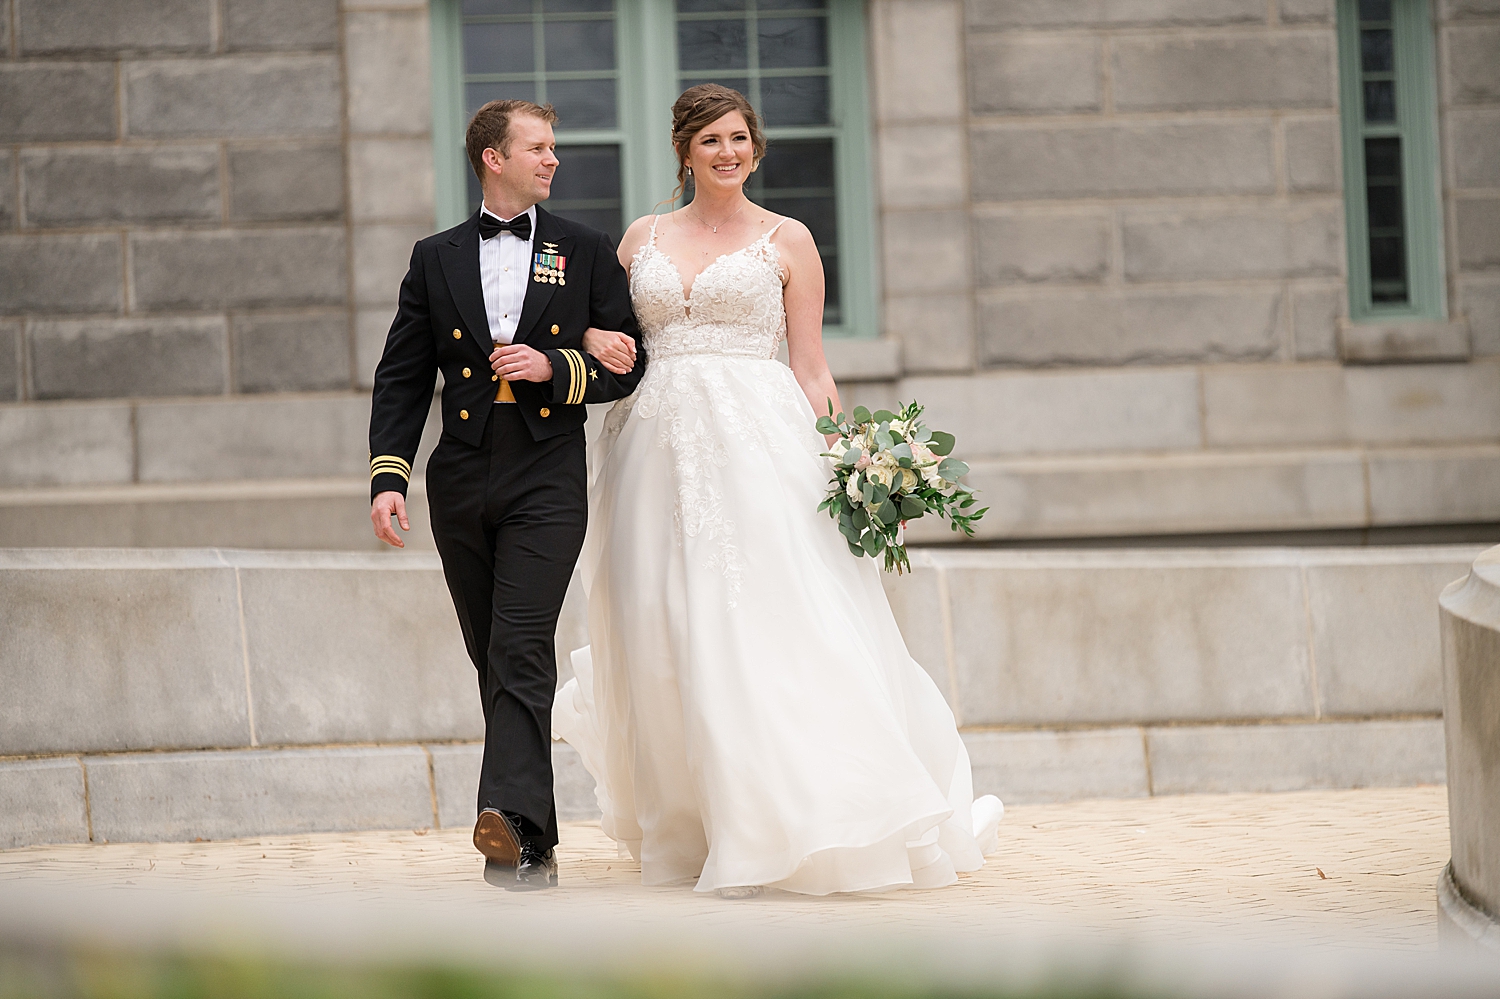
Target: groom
[(510, 291)]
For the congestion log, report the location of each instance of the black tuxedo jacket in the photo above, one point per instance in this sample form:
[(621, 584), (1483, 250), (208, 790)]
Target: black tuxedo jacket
[(441, 325)]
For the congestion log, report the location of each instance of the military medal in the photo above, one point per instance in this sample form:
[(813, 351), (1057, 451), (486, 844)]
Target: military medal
[(549, 268)]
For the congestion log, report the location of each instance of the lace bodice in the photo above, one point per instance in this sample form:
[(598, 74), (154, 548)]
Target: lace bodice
[(735, 308)]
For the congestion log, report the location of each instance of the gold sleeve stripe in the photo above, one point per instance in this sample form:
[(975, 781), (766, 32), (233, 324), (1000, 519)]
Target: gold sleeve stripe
[(578, 370), (389, 463), (391, 459)]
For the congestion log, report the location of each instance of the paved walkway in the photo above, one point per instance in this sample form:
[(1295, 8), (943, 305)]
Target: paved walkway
[(1355, 867)]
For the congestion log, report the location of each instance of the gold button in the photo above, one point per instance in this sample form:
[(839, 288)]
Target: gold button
[(463, 414), (555, 330), (546, 411), (494, 378), (458, 334), (467, 372)]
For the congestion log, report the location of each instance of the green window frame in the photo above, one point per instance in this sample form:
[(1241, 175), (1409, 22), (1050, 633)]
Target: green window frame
[(1392, 204), (647, 79)]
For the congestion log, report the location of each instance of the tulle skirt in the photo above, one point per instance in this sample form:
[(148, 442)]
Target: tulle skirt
[(747, 705)]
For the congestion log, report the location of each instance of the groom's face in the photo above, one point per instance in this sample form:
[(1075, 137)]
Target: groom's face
[(526, 174)]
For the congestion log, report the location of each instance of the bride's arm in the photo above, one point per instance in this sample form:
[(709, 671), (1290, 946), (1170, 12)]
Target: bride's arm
[(803, 296)]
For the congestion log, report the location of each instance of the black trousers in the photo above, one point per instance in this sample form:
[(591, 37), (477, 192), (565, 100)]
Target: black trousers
[(509, 518)]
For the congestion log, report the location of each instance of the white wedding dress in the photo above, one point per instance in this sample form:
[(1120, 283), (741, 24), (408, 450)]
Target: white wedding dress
[(747, 705)]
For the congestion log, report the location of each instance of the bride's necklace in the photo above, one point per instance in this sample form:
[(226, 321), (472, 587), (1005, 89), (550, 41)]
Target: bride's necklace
[(715, 228)]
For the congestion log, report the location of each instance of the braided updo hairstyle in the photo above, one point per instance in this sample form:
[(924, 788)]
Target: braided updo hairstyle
[(698, 108)]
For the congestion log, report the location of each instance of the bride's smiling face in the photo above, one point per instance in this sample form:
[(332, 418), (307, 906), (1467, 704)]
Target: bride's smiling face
[(722, 155)]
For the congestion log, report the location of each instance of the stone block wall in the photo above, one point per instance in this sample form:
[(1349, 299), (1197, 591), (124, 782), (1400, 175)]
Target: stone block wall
[(205, 197), (1114, 261)]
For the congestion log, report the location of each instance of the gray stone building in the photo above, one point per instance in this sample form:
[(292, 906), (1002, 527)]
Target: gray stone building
[(1141, 255)]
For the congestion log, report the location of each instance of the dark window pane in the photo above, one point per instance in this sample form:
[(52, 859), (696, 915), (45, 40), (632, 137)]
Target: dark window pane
[(475, 194), (1386, 222), (712, 45), (792, 5), (480, 8), (577, 6), (833, 313), (793, 42), (1383, 159), (586, 188), (580, 45), (818, 214), (1388, 269), (700, 6), (1380, 100), (498, 48), (476, 95), (1374, 10), (1385, 208), (587, 173), (796, 164), (603, 219), (794, 100), (583, 103), (1375, 51)]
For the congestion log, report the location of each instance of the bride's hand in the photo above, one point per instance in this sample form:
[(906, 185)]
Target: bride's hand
[(613, 349)]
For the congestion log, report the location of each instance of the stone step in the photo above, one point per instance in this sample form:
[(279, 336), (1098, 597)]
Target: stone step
[(229, 794), (1071, 674), (1030, 499)]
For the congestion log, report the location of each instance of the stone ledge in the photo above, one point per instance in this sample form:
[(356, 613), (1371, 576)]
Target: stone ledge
[(1404, 341)]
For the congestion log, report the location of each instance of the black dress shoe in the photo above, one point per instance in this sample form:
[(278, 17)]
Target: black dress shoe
[(497, 837), (536, 869)]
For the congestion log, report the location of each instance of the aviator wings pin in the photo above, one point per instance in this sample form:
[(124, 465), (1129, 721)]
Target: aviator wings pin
[(548, 267)]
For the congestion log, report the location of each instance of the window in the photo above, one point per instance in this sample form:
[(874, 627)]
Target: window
[(1388, 105), (612, 68)]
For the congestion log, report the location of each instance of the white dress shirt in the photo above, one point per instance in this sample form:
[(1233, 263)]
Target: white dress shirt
[(504, 267)]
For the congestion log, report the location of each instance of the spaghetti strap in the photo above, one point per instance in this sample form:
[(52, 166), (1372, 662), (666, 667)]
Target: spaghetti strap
[(772, 231), (654, 219)]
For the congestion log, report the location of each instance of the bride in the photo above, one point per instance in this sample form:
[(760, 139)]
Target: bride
[(747, 705)]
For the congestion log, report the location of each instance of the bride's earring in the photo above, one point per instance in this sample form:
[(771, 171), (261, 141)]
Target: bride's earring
[(690, 171)]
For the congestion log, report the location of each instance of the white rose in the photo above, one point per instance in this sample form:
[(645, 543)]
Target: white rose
[(852, 489), (921, 454), (908, 479), (882, 473)]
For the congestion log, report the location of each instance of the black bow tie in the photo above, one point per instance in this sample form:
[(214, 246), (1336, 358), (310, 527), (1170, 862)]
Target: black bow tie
[(489, 226)]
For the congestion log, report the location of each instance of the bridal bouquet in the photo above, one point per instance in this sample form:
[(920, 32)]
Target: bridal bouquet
[(888, 468)]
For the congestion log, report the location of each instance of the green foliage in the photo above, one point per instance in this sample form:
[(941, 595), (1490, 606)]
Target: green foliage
[(884, 445)]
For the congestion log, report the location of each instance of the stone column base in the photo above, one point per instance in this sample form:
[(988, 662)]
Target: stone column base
[(1460, 924)]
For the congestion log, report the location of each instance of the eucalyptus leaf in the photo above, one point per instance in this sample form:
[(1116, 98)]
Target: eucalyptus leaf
[(861, 414), (886, 513), (860, 520), (942, 443), (881, 492), (872, 543), (851, 457), (883, 416), (845, 506), (885, 440), (902, 452), (912, 508), (868, 491), (856, 550), (826, 425), (952, 469)]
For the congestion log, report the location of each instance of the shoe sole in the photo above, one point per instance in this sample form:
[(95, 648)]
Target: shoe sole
[(493, 838), (533, 885)]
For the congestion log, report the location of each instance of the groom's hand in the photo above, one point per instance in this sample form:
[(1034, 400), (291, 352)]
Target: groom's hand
[(385, 506), (517, 362)]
